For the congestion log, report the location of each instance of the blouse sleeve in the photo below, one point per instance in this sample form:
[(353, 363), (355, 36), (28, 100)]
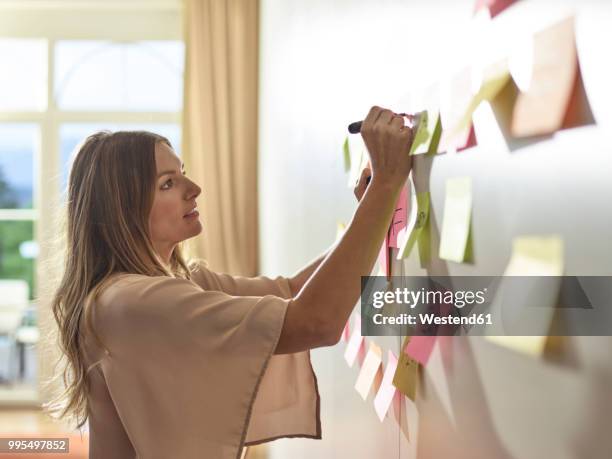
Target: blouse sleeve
[(185, 365), (238, 285)]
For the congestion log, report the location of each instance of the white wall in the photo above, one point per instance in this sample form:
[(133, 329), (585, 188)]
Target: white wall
[(323, 64)]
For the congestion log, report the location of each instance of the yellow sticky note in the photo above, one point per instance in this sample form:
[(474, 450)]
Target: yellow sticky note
[(457, 218), (494, 79), (407, 373), (418, 221), (536, 256), (532, 256), (369, 371), (529, 345)]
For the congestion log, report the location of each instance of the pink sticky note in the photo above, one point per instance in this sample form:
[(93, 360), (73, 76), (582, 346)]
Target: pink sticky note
[(354, 344), (387, 390), (400, 217), (346, 331), (420, 347)]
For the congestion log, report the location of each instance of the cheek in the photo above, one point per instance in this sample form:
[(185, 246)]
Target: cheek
[(163, 215)]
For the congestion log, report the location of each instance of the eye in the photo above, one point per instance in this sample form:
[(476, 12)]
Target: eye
[(165, 183)]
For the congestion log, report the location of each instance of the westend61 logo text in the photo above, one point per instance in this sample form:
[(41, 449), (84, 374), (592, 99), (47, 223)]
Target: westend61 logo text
[(414, 298)]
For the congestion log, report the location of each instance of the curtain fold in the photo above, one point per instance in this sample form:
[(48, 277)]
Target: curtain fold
[(220, 129)]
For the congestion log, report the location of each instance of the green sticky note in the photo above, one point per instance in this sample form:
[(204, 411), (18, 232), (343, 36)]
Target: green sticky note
[(457, 217), (435, 137), (425, 245), (347, 155), (427, 136), (420, 220)]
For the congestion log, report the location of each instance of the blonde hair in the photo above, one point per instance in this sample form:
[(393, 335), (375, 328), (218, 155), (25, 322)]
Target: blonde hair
[(104, 231)]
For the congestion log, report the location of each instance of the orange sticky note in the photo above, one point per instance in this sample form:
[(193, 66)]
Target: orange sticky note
[(555, 97)]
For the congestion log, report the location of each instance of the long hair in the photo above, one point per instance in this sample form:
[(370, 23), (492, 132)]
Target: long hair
[(105, 231)]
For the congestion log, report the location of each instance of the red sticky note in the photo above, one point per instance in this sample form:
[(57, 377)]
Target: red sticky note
[(400, 217), (420, 347), (494, 6)]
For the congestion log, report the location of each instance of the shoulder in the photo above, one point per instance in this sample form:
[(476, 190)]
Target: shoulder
[(128, 295)]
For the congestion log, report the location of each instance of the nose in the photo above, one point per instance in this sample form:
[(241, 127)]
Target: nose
[(193, 190)]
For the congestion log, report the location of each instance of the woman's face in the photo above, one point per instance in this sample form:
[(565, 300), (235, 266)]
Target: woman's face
[(174, 198)]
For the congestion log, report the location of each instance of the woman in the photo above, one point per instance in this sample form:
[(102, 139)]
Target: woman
[(167, 359)]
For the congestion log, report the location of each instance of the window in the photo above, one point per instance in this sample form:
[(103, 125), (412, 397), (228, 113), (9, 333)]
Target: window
[(66, 74)]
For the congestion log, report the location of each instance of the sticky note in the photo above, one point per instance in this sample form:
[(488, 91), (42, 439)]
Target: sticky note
[(369, 370), (387, 390), (400, 217), (347, 155), (407, 373), (457, 218), (346, 331), (354, 344), (418, 220), (494, 79), (419, 348), (529, 345), (494, 6), (536, 256), (428, 133), (542, 108), (532, 256), (455, 98), (383, 261)]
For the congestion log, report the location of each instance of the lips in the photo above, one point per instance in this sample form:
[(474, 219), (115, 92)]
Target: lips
[(192, 211)]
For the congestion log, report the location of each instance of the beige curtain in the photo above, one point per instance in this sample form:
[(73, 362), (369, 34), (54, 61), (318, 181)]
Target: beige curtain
[(220, 129)]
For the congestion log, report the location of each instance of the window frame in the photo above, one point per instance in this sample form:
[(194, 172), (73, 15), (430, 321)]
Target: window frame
[(54, 20)]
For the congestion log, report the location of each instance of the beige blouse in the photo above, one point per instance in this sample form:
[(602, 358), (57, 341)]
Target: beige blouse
[(191, 371)]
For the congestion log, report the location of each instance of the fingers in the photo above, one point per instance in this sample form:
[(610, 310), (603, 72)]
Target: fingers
[(385, 117), (362, 183), (365, 173), (371, 118), (397, 122)]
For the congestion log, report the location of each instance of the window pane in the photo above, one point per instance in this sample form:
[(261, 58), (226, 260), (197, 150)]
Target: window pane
[(71, 135), (103, 75), (18, 252), (23, 79), (17, 146)]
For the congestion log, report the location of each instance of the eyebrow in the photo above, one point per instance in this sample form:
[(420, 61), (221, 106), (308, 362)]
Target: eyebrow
[(170, 171)]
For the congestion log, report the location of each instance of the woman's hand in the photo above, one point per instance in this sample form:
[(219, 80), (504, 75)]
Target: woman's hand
[(388, 142), (362, 183)]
